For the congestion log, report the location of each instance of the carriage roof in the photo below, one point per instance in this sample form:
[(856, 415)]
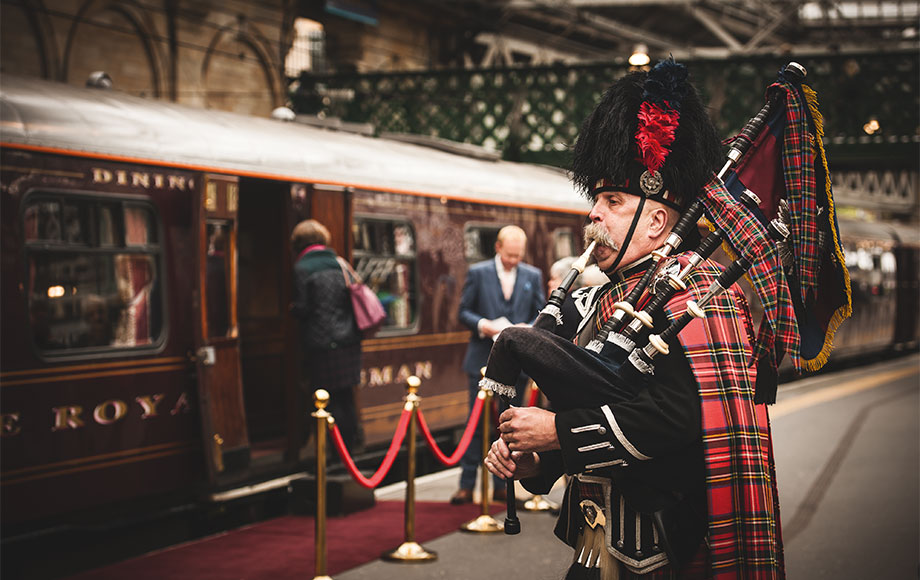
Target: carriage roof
[(103, 123)]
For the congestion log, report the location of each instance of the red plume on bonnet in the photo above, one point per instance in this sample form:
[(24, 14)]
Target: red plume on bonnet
[(659, 114), (649, 135), (655, 134)]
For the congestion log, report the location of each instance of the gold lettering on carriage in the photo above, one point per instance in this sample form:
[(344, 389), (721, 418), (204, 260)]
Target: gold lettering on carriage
[(142, 179), (380, 376), (107, 412)]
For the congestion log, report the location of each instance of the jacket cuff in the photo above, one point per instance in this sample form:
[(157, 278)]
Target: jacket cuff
[(592, 439)]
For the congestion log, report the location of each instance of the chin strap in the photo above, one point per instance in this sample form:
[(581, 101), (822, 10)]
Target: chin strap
[(628, 238)]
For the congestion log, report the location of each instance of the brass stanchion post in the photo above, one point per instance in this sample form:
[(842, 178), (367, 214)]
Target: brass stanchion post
[(323, 418), (410, 550), (484, 523), (537, 503)]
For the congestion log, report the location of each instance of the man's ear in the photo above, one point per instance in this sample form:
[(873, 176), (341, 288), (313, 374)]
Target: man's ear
[(657, 222)]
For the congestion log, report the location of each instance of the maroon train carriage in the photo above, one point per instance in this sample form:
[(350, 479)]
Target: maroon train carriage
[(147, 349), (147, 346)]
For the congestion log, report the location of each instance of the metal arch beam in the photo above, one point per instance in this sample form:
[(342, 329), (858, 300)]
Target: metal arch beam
[(752, 11), (772, 26), (706, 19), (569, 13), (580, 24), (542, 53), (630, 32), (529, 4), (558, 44)]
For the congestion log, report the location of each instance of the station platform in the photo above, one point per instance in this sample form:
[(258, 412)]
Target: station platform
[(847, 449)]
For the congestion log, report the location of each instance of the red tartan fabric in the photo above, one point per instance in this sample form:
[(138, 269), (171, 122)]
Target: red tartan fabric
[(616, 294), (778, 333), (744, 525), (799, 172)]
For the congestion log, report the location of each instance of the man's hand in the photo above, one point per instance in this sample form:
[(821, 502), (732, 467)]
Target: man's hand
[(528, 429), (505, 464), (489, 328)]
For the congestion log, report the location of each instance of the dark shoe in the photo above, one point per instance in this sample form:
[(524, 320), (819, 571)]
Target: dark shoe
[(500, 494), (462, 496)]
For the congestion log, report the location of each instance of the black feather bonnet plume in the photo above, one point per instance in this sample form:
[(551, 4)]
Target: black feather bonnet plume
[(650, 135)]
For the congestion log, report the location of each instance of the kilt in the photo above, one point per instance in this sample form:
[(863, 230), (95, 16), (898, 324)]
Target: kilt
[(333, 369)]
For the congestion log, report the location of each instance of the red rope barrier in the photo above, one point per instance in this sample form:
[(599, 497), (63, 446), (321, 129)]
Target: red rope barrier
[(464, 441), (375, 479), (534, 395)]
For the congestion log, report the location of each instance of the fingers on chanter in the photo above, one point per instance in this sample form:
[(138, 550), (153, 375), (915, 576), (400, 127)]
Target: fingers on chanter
[(505, 468), (500, 447), (502, 462)]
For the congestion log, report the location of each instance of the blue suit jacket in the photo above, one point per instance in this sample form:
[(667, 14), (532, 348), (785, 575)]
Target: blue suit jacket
[(482, 298)]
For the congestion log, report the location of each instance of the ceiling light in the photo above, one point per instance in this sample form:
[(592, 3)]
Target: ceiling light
[(639, 57)]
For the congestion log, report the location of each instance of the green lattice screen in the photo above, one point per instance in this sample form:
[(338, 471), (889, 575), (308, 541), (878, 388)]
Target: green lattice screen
[(533, 114)]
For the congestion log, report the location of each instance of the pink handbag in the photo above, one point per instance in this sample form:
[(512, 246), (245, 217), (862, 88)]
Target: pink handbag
[(369, 312)]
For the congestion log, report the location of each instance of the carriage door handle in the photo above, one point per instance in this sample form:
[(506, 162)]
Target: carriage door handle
[(206, 356)]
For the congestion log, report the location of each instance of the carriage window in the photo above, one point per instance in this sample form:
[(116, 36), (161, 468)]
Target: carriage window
[(216, 288), (384, 256), (479, 242), (93, 278)]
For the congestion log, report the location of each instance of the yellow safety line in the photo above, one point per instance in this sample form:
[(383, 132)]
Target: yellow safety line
[(838, 391)]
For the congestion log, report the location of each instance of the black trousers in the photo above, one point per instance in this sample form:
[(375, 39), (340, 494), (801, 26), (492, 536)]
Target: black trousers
[(342, 407)]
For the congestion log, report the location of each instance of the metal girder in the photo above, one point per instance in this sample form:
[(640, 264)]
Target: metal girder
[(541, 53), (710, 29), (772, 26), (715, 27), (594, 3), (632, 33)]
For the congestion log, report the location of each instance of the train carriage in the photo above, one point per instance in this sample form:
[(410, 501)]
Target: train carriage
[(147, 345), (147, 353)]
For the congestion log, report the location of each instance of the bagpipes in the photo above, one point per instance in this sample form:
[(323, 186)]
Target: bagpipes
[(612, 367)]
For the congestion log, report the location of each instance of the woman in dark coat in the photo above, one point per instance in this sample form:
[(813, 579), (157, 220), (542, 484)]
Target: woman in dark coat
[(329, 337)]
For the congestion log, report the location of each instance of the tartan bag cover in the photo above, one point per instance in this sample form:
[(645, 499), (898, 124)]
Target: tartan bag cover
[(744, 525), (778, 333), (799, 174), (787, 164)]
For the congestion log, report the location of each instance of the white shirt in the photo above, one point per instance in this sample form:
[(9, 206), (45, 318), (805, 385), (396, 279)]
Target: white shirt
[(507, 278)]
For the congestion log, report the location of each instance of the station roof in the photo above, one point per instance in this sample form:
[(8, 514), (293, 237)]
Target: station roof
[(605, 30)]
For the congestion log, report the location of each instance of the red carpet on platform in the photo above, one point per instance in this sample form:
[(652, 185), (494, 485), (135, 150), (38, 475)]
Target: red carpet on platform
[(283, 548)]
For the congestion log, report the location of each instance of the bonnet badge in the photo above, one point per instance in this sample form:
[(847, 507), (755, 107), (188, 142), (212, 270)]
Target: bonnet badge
[(650, 182)]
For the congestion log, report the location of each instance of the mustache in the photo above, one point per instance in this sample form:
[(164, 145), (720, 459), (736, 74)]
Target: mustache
[(595, 232)]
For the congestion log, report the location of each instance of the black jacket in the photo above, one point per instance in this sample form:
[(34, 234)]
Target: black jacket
[(322, 302)]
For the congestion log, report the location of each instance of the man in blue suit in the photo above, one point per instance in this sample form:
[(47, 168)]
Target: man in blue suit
[(497, 293)]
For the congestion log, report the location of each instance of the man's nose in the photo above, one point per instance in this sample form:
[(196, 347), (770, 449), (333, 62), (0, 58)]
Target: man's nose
[(595, 215)]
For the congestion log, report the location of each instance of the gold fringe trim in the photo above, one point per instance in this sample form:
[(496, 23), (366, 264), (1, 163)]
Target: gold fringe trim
[(844, 312)]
